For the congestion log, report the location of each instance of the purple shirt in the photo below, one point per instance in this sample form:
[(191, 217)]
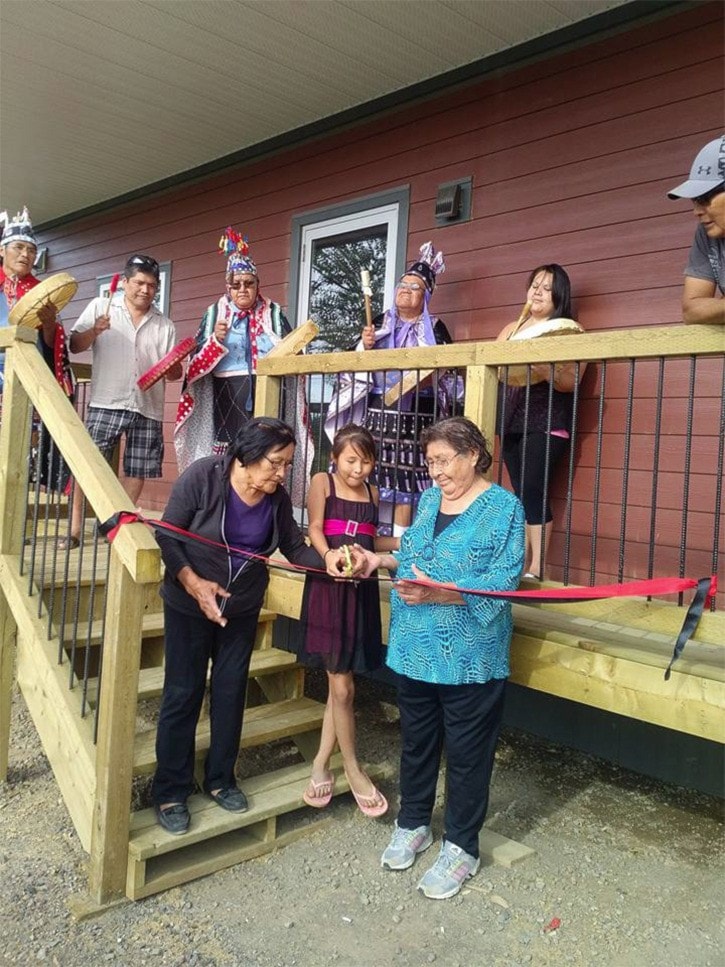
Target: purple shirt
[(245, 527)]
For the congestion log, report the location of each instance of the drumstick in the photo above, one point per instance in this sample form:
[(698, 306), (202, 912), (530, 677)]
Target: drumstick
[(521, 319), (367, 294), (524, 313), (112, 291)]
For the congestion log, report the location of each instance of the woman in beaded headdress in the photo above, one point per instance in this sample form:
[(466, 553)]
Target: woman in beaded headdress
[(401, 473), (18, 250), (217, 397)]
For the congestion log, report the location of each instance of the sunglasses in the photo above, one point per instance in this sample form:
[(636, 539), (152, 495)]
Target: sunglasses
[(144, 263), (242, 285)]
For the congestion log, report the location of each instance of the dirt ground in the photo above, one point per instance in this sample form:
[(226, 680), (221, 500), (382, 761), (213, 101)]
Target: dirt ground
[(631, 868)]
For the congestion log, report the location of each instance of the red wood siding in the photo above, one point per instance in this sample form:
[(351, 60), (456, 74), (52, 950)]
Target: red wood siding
[(570, 157)]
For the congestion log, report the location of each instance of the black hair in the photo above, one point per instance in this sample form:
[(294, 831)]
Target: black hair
[(260, 436), (560, 289), (358, 438), (141, 263), (462, 435)]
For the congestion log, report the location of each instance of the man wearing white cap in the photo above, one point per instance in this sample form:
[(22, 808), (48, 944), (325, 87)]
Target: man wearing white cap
[(705, 272)]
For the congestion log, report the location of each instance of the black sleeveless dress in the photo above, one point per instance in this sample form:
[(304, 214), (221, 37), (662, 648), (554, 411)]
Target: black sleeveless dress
[(340, 620)]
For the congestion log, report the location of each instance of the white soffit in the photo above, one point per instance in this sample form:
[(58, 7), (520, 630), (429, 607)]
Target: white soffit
[(98, 98)]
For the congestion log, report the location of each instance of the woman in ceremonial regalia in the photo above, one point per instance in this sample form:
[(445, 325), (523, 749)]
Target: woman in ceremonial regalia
[(396, 427)]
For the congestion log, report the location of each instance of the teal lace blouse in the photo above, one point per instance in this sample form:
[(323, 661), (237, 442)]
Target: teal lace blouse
[(483, 548)]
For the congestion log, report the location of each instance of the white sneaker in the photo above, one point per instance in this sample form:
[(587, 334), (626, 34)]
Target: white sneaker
[(449, 872), (404, 846)]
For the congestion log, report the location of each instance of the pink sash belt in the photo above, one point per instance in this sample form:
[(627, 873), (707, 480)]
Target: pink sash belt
[(350, 528)]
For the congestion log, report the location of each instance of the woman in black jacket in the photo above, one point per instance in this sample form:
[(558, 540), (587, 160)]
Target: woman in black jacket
[(212, 598)]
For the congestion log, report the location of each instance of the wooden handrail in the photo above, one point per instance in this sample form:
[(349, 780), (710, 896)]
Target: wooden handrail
[(294, 342), (640, 343)]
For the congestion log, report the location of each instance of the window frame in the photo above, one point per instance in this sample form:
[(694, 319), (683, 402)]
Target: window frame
[(395, 197)]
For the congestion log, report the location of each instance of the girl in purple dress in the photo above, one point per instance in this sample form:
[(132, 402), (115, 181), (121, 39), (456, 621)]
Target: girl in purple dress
[(341, 619)]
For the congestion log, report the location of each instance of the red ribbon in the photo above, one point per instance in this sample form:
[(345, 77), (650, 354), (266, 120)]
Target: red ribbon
[(705, 588)]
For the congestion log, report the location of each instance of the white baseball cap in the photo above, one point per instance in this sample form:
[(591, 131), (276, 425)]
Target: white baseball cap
[(706, 173)]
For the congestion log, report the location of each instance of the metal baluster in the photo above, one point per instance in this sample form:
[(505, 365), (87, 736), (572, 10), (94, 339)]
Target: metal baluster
[(56, 530), (570, 472), (718, 485), (597, 476), (655, 470), (36, 491), (547, 462), (396, 449), (688, 462), (100, 650), (503, 396), (527, 397), (89, 633), (625, 472), (77, 599)]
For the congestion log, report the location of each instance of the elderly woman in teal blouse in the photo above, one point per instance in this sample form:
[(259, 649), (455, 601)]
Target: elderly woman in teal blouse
[(451, 649)]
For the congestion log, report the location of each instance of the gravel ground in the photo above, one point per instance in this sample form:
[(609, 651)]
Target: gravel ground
[(630, 868)]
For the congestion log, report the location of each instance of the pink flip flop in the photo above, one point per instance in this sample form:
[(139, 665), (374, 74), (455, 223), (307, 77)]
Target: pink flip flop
[(315, 800), (371, 811)]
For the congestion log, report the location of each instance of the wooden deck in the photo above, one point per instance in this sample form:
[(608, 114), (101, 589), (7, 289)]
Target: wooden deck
[(608, 654)]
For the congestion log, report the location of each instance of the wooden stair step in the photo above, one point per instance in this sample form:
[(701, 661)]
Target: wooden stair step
[(264, 662), (218, 839), (151, 680), (152, 626), (262, 723)]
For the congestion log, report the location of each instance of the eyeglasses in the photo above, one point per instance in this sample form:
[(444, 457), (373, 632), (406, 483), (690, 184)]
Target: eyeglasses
[(442, 463), (242, 285), (409, 287), (277, 465), (709, 195)]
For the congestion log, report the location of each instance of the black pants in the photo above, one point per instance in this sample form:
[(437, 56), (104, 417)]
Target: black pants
[(190, 642), (533, 486), (467, 720)]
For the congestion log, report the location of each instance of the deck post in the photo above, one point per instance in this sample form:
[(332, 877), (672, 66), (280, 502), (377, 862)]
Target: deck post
[(118, 698), (480, 402), (267, 396), (14, 443), (8, 630)]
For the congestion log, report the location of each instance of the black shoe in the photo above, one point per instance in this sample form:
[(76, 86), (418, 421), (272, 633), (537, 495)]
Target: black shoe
[(174, 819), (232, 799)]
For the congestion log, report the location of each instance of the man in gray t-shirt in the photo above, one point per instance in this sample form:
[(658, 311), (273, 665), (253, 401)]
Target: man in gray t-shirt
[(705, 272)]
